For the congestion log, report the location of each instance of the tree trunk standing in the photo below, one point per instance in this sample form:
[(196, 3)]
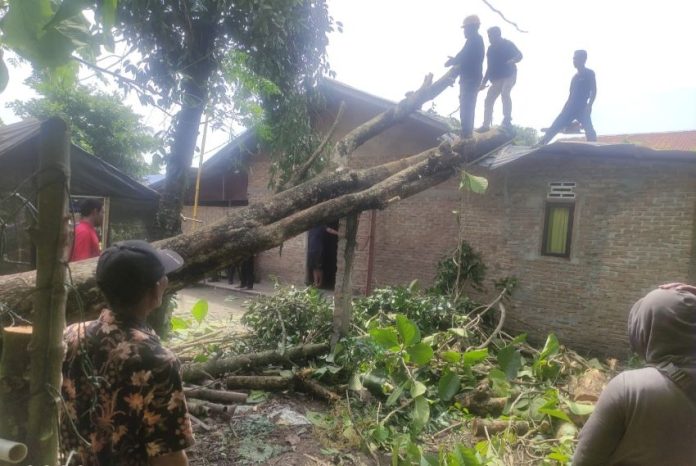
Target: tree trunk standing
[(194, 98), (51, 238), (264, 225), (343, 301), (14, 383)]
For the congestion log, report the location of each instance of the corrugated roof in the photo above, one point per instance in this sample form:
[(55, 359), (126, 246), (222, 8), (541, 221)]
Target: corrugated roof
[(565, 148), (671, 140)]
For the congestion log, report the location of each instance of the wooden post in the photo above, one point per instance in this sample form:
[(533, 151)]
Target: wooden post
[(14, 384), (46, 349)]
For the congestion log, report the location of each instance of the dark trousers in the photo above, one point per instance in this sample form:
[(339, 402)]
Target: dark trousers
[(246, 273), (568, 114), (468, 92)]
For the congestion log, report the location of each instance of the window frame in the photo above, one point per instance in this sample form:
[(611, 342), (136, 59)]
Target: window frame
[(569, 236)]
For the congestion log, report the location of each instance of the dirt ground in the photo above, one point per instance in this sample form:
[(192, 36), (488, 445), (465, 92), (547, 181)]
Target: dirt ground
[(273, 432)]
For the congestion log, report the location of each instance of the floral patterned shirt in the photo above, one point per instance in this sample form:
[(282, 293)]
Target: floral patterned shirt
[(123, 394)]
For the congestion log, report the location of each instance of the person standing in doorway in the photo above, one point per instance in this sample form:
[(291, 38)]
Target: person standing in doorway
[(583, 91), (315, 252), (86, 240), (501, 71), (470, 63)]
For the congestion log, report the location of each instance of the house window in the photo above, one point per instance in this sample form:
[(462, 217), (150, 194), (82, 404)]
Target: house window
[(558, 229)]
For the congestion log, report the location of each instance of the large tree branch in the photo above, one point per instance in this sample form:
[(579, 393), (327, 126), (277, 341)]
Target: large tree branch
[(267, 224), (413, 101)]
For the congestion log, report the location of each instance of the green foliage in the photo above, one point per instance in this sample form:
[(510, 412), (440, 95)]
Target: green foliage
[(289, 317), (429, 311), (475, 184), (464, 267), (525, 136), (100, 123)]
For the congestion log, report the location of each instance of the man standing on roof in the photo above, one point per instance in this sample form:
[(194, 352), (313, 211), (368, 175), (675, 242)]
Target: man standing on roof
[(470, 62), (86, 241), (501, 57), (647, 416), (583, 90)]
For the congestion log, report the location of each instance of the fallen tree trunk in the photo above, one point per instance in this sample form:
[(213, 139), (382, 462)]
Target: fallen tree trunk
[(267, 224), (483, 427), (216, 396), (217, 367), (259, 382)]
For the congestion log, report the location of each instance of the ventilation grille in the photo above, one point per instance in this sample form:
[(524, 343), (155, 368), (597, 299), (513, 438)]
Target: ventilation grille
[(562, 190)]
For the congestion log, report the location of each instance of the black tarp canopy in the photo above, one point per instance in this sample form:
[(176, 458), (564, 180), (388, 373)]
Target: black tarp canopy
[(131, 205)]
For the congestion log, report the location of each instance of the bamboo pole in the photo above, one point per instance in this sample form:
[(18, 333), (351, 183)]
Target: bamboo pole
[(198, 174), (46, 349), (14, 384)]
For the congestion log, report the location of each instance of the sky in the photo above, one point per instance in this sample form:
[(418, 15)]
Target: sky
[(641, 52)]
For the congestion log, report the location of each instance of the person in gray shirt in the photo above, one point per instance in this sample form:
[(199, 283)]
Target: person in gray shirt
[(643, 417)]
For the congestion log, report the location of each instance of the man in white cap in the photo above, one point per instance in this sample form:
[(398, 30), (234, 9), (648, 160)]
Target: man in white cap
[(470, 63)]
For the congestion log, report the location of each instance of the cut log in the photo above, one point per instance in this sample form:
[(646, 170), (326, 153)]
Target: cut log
[(308, 385), (205, 408), (258, 382), (216, 396), (195, 372), (480, 426)]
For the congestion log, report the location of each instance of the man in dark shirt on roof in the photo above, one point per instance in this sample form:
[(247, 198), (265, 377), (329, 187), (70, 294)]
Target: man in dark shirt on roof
[(470, 62), (583, 90), (502, 73)]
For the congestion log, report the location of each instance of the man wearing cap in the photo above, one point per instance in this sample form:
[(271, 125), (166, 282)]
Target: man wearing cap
[(583, 91), (501, 71), (470, 62), (122, 390), (647, 416)]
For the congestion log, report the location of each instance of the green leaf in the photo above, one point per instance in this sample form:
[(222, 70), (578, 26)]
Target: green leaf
[(475, 356), (178, 323), (257, 396), (550, 347), (396, 394), (108, 13), (579, 409), (463, 456), (66, 10), (385, 337), (476, 184), (558, 456), (420, 413), (417, 389), (452, 357), (407, 329), (320, 420), (4, 74), (200, 310), (449, 385), (555, 412), (499, 382), (420, 353), (510, 361)]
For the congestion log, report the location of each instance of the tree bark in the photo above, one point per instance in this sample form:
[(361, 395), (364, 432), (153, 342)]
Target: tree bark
[(14, 383), (343, 301), (216, 396), (46, 348), (217, 367), (267, 224), (259, 382)]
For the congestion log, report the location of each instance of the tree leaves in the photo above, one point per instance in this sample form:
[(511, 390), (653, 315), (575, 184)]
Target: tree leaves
[(420, 353), (407, 330), (476, 184), (387, 338), (200, 310), (449, 385), (509, 361), (4, 74)]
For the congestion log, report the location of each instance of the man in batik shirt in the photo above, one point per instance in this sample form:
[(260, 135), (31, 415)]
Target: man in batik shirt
[(123, 395)]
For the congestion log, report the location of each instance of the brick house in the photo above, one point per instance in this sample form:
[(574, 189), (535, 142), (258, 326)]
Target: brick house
[(586, 228)]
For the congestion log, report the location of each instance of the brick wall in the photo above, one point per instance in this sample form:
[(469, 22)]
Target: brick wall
[(633, 230)]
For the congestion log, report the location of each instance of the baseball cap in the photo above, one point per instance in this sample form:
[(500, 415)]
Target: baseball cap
[(135, 263)]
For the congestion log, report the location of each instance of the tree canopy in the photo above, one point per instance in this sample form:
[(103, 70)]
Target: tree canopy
[(100, 123)]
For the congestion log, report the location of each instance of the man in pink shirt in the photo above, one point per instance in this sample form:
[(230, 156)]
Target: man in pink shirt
[(86, 241)]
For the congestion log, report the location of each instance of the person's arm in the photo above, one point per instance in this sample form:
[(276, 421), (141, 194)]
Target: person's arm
[(602, 433), (516, 54), (679, 287), (456, 60), (178, 458), (331, 231), (593, 92)]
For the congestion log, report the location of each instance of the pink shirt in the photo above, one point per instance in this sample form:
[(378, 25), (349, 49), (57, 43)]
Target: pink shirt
[(86, 242)]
